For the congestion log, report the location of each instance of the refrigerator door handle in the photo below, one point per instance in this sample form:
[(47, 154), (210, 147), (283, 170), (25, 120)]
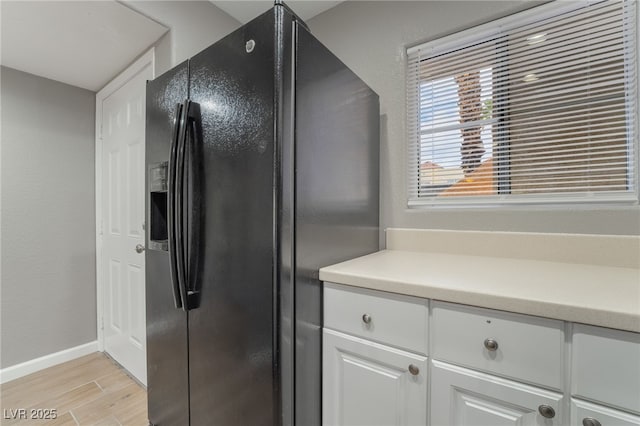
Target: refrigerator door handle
[(193, 147), (179, 206), (171, 219)]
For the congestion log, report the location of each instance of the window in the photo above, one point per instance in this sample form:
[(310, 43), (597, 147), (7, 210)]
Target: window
[(539, 107)]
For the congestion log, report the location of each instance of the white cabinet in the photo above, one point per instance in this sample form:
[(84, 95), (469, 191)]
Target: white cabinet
[(605, 366), (391, 319), (587, 414), (605, 369), (463, 397), (373, 358), (521, 347), (485, 367), (368, 384)]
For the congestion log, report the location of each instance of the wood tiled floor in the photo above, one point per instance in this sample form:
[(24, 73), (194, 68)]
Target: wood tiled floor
[(91, 390)]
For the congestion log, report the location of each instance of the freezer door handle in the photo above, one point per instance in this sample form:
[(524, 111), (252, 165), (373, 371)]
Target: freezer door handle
[(179, 207), (171, 208), (188, 193), (193, 203)]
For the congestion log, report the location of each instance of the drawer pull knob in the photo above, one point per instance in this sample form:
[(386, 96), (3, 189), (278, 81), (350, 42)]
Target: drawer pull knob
[(547, 411), (491, 345), (590, 421), (413, 369), (366, 318)]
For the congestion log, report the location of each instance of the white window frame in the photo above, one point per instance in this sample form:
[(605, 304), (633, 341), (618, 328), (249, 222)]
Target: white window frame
[(486, 32)]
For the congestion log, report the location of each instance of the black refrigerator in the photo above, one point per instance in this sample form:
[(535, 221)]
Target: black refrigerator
[(262, 159)]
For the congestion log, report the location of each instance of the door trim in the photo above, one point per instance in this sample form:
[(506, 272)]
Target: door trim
[(148, 58)]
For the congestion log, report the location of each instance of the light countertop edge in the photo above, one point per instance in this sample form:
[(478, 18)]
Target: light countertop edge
[(589, 294)]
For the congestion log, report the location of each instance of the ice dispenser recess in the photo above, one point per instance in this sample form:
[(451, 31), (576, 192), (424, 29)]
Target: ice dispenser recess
[(158, 236)]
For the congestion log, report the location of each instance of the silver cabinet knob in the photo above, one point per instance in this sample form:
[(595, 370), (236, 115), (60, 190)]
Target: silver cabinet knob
[(414, 370), (491, 344), (366, 318), (547, 411), (139, 248), (590, 421)]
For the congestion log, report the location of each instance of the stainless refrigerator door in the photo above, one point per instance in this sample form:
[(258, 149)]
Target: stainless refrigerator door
[(337, 147), (167, 356), (231, 330)]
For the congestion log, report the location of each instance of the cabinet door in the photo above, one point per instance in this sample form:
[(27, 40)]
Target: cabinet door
[(462, 397), (587, 414), (368, 384)]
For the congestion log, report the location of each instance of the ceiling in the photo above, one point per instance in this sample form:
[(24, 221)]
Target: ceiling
[(87, 43), (82, 43), (246, 10)]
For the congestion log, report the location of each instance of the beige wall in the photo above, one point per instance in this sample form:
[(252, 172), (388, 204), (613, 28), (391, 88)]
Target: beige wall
[(47, 233), (371, 37), (48, 298)]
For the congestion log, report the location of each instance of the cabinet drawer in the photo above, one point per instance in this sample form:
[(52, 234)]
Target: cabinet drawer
[(388, 318), (606, 366), (525, 348), (586, 414)]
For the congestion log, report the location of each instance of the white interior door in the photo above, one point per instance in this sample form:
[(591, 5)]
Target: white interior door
[(123, 234)]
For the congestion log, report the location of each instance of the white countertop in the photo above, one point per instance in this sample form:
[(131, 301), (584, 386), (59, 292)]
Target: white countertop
[(607, 296)]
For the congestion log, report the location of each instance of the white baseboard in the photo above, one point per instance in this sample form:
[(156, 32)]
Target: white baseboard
[(28, 367)]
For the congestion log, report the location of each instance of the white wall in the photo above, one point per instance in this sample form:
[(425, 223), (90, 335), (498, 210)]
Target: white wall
[(193, 26), (48, 217), (371, 37)]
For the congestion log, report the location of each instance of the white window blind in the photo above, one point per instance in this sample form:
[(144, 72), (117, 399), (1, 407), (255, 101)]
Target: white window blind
[(537, 107)]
